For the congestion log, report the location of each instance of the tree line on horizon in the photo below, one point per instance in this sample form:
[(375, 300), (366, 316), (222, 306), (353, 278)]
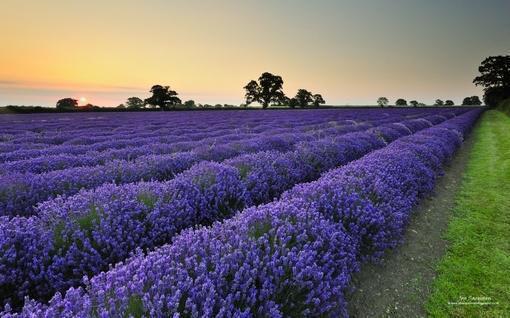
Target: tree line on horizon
[(268, 91), (468, 101)]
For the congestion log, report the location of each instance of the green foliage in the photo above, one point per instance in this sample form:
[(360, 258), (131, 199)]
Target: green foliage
[(259, 229), (85, 223), (135, 307), (477, 261), (147, 198)]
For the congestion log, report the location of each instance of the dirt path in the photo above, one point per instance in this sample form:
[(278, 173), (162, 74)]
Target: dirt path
[(400, 285)]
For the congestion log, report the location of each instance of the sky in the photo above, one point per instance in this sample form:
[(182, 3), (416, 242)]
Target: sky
[(350, 51)]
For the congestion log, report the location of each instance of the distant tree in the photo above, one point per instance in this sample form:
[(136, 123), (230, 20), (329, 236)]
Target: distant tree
[(135, 103), (88, 107), (449, 102), (475, 100), (218, 106), (67, 104), (421, 104), (472, 101), (189, 104), (382, 101), (439, 102), (163, 97), (293, 102), (318, 100), (268, 90), (495, 78), (414, 103), (121, 106), (466, 101), (304, 98), (401, 102)]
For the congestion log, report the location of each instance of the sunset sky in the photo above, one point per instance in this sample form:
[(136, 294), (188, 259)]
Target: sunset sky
[(350, 51)]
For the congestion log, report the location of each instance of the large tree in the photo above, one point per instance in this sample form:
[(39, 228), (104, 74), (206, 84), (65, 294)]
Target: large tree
[(134, 103), (449, 102), (269, 89), (495, 78), (163, 97), (382, 101), (439, 102), (67, 104), (414, 103)]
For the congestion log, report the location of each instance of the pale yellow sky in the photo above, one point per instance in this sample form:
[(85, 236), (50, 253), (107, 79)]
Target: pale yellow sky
[(350, 51)]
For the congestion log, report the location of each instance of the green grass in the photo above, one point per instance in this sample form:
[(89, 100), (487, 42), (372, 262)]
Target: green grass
[(477, 263)]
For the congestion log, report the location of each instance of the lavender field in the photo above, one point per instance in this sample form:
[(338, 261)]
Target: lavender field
[(212, 213)]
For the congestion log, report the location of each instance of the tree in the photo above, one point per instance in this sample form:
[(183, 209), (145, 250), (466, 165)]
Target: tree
[(449, 102), (135, 103), (494, 95), (382, 101), (189, 104), (495, 72), (317, 100), (268, 90), (304, 98), (401, 102), (121, 106), (163, 97), (293, 102), (67, 104), (252, 92), (439, 102), (475, 101), (495, 78), (414, 103), (471, 101)]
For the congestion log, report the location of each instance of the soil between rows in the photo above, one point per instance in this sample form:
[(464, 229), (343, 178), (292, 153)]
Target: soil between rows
[(400, 284)]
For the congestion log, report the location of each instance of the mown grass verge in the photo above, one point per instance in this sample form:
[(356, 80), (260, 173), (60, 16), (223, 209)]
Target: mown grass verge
[(474, 275)]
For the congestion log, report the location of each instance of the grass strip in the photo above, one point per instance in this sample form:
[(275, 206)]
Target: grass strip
[(474, 276)]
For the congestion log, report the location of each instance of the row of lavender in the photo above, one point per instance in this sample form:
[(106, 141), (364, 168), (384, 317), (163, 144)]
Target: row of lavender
[(19, 192), (122, 127), (14, 150), (41, 137), (292, 257), (121, 149), (39, 125), (83, 234)]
